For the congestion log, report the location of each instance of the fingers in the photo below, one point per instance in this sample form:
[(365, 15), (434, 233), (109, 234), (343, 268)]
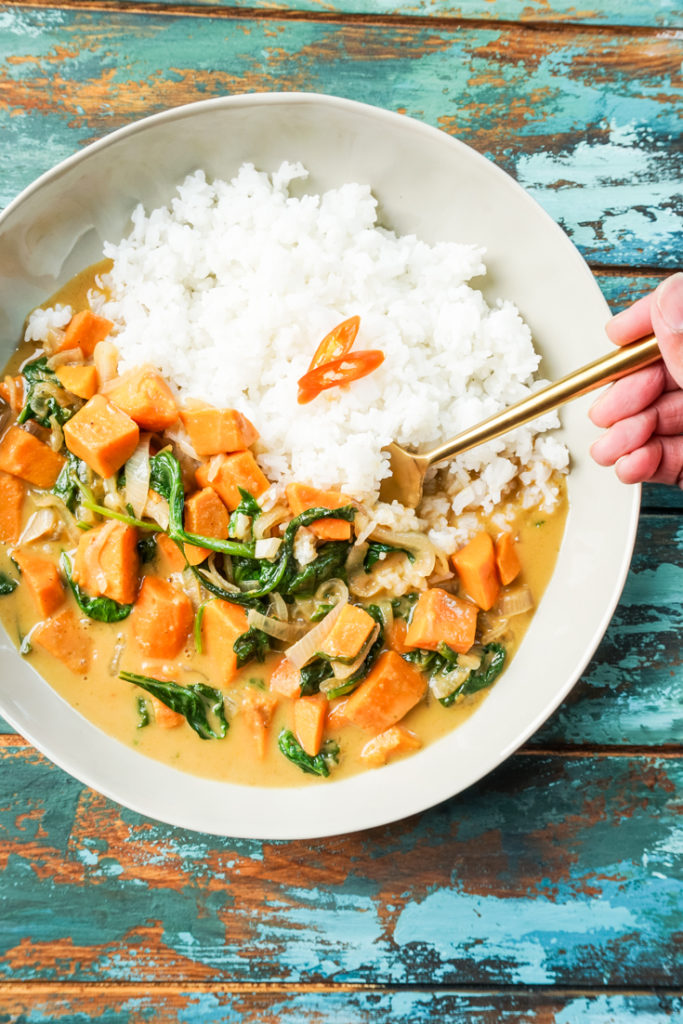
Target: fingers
[(667, 320), (629, 396), (659, 461), (624, 437), (632, 323)]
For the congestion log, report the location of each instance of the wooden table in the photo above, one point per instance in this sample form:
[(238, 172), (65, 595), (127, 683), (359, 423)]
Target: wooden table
[(549, 892)]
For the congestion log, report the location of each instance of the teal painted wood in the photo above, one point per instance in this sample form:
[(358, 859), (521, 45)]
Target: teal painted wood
[(344, 1007), (605, 12), (585, 121), (552, 871)]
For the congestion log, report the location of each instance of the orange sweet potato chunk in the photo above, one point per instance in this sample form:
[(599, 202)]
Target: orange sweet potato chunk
[(40, 576), (213, 431), (146, 397), (395, 740), (107, 564), (205, 514), (25, 456), (65, 637), (227, 473), (84, 331), (507, 559), (301, 497), (309, 721), (349, 633), (391, 689), (165, 717), (222, 623), (171, 555), (162, 618), (475, 564), (441, 618), (12, 494), (102, 435), (285, 679), (258, 709), (79, 380), (12, 391)]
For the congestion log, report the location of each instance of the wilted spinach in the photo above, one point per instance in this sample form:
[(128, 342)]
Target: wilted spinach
[(294, 752), (102, 609), (193, 702)]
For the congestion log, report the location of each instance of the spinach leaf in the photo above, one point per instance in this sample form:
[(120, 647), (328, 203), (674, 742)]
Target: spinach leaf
[(102, 609), (312, 675), (329, 563), (191, 701), (402, 607), (321, 611), (166, 479), (491, 666), (41, 407), (143, 712), (376, 549), (294, 752), (69, 483), (7, 584), (147, 549), (252, 644), (248, 506)]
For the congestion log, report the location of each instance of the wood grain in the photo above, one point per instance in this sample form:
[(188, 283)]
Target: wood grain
[(584, 123)]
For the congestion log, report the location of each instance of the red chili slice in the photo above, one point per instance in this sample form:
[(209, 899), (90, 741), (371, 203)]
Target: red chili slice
[(337, 343), (337, 372)]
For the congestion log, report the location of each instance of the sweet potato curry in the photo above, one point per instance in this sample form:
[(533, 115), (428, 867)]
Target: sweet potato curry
[(234, 630)]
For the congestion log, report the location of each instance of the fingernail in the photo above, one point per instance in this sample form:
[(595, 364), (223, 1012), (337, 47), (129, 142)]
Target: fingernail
[(669, 298)]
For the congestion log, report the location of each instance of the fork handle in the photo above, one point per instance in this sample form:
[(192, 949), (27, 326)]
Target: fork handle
[(616, 364)]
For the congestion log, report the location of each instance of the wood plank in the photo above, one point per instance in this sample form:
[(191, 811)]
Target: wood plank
[(499, 886), (41, 1004), (657, 13), (586, 123)]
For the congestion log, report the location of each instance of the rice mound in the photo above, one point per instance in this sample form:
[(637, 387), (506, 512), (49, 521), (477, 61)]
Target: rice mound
[(229, 290)]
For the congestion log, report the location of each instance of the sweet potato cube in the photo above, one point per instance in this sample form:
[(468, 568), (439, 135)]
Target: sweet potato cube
[(172, 556), (442, 618), (213, 431), (388, 692), (205, 514), (309, 721), (12, 391), (41, 578), (84, 331), (106, 563), (507, 559), (65, 636), (349, 633), (475, 564), (79, 380), (396, 636), (102, 435), (25, 456), (146, 397), (162, 618), (301, 497), (165, 717), (258, 709), (12, 494), (222, 623), (336, 713), (285, 679), (395, 740), (227, 473)]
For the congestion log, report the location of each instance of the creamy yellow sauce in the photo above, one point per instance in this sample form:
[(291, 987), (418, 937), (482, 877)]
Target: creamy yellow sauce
[(110, 703)]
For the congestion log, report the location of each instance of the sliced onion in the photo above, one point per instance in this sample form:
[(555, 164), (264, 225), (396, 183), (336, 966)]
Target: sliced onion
[(425, 552), (190, 585), (332, 590), (267, 520), (288, 631), (106, 359), (278, 606), (356, 557), (119, 648), (43, 523), (56, 440), (492, 628), (267, 548), (303, 650), (138, 471), (180, 438), (240, 526), (387, 613), (68, 356), (516, 601), (156, 508), (112, 498), (215, 577), (344, 671)]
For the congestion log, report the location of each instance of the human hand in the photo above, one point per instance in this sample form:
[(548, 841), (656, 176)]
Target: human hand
[(643, 413)]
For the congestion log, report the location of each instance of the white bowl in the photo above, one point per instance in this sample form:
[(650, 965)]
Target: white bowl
[(427, 183)]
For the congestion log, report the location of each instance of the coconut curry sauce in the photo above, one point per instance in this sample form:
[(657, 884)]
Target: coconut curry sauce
[(178, 649)]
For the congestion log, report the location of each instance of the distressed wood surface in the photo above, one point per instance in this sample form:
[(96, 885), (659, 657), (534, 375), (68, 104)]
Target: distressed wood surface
[(585, 122), (548, 893)]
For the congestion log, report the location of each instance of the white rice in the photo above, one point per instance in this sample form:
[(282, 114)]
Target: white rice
[(229, 290)]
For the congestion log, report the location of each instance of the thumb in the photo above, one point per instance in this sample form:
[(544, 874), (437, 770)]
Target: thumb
[(667, 321)]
